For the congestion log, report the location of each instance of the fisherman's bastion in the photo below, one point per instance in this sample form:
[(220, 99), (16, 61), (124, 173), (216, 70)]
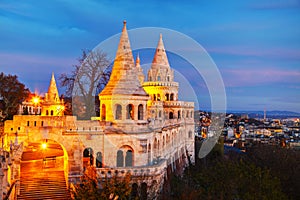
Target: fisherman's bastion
[(143, 128)]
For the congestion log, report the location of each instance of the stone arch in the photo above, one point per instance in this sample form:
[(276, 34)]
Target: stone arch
[(190, 134), (158, 97), (158, 78), (155, 146), (59, 158), (118, 112), (99, 160), (120, 158), (134, 191), (103, 112), (130, 111), (149, 153), (125, 156), (167, 96), (144, 193), (178, 114), (171, 115), (88, 157), (141, 112), (172, 97), (129, 158)]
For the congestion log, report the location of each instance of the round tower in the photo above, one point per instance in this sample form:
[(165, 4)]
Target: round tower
[(123, 100)]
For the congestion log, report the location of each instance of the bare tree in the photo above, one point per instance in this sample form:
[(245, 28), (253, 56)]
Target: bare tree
[(88, 77)]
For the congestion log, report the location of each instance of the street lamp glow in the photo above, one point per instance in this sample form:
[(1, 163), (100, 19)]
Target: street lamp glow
[(35, 100), (44, 145)]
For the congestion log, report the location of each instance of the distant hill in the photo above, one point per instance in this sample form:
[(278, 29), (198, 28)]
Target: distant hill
[(270, 114)]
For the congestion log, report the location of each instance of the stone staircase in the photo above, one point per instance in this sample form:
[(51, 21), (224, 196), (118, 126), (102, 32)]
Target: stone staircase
[(40, 180)]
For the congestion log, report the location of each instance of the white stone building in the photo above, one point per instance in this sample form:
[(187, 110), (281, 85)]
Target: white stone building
[(143, 128)]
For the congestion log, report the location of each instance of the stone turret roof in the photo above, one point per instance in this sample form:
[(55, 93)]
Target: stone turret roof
[(52, 94), (160, 58), (124, 77), (160, 69)]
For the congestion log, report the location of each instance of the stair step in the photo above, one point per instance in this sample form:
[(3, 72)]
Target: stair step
[(37, 183)]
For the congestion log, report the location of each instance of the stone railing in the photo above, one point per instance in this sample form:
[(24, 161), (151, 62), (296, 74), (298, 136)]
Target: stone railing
[(140, 171), (168, 84)]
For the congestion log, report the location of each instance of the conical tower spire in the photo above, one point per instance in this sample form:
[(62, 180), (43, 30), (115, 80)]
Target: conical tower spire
[(124, 76), (52, 90), (160, 69), (160, 57), (139, 69), (124, 53), (138, 62)]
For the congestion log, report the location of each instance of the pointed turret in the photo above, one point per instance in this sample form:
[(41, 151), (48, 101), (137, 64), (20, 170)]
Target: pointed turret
[(160, 69), (52, 90), (138, 62), (52, 105), (160, 57), (124, 53), (139, 69), (124, 76)]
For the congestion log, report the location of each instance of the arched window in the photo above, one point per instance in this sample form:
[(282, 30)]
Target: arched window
[(159, 114), (129, 111), (172, 97), (47, 112), (168, 78), (167, 96), (190, 134), (158, 78), (88, 158), (99, 163), (179, 114), (158, 97), (140, 112), (191, 115), (155, 147), (103, 112), (120, 158), (144, 191), (154, 97), (171, 115), (129, 158), (118, 113), (134, 191), (51, 112), (149, 153)]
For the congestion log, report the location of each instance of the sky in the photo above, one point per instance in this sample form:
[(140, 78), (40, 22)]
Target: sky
[(255, 44)]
